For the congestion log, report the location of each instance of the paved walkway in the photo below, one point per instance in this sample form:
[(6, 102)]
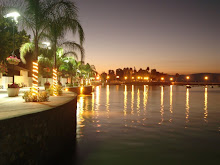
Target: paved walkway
[(16, 106)]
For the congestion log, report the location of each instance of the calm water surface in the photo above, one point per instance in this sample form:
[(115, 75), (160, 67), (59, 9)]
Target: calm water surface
[(125, 125)]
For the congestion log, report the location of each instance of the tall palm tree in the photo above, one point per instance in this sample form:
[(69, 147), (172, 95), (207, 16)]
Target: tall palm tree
[(36, 15)]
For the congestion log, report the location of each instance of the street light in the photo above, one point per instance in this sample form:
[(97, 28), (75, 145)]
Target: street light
[(162, 78), (171, 78), (126, 78), (47, 44), (14, 16), (187, 77)]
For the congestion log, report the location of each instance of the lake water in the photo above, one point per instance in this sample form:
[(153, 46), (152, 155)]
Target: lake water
[(125, 125)]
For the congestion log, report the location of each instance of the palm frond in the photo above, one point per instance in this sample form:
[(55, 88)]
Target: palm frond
[(75, 46), (71, 53), (24, 49)]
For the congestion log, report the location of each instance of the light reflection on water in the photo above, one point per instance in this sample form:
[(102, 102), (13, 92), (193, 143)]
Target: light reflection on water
[(128, 119)]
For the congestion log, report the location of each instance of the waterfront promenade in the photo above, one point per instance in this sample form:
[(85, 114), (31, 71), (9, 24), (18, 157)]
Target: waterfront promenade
[(16, 106), (37, 132)]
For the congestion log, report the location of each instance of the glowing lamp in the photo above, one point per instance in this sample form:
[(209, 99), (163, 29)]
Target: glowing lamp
[(108, 77), (97, 78), (146, 78), (66, 89), (206, 78), (162, 78), (171, 78), (132, 77), (15, 15), (187, 77), (126, 78), (139, 78), (117, 76)]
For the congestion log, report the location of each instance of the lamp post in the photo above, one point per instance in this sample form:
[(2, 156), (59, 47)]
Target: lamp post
[(187, 78), (206, 79), (14, 16)]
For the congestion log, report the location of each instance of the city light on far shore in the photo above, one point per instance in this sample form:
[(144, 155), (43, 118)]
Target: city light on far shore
[(117, 76), (108, 77), (162, 78), (171, 78), (187, 77), (146, 78), (126, 78), (139, 78), (206, 78)]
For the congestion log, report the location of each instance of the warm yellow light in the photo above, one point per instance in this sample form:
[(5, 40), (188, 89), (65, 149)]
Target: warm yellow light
[(206, 78), (187, 77), (117, 76), (108, 77), (132, 77), (81, 90), (55, 82), (66, 89), (35, 78), (139, 78), (171, 78), (146, 78), (126, 78), (97, 78), (162, 78)]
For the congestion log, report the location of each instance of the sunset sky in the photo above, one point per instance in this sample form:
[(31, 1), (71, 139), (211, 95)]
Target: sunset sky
[(169, 35)]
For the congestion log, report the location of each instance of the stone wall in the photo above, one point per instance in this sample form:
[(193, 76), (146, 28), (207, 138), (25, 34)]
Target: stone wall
[(46, 137)]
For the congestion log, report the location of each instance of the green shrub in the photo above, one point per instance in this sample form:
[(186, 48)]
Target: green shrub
[(69, 85), (42, 96), (76, 84), (55, 91)]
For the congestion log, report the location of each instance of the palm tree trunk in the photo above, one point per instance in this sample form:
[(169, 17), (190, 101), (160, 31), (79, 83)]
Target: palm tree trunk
[(35, 66)]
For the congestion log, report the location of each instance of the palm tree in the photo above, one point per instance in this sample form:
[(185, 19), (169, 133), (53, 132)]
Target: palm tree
[(70, 66), (37, 15)]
